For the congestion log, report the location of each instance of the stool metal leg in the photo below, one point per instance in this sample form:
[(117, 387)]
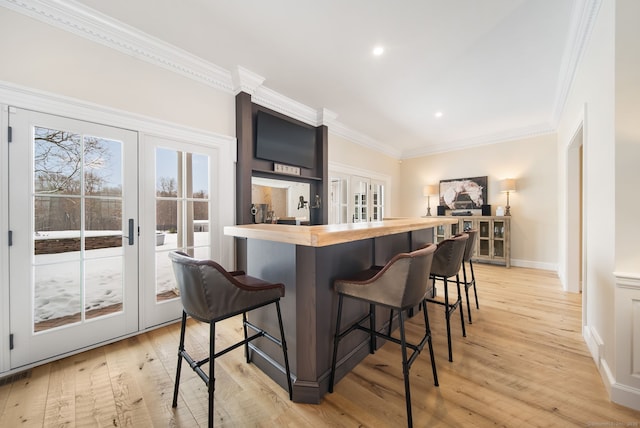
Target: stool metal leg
[(284, 350), (405, 368), (459, 305), (372, 326), (430, 343), (246, 345), (466, 290), (473, 279), (212, 380), (447, 313), (180, 351)]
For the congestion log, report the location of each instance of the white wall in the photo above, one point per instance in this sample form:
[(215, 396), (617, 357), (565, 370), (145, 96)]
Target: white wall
[(604, 97), (46, 58), (627, 93), (533, 206)]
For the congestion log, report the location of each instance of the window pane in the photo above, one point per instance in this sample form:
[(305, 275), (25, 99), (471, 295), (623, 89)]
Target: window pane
[(57, 224), (167, 215), (57, 161), (57, 294), (165, 280), (103, 286), (167, 166), (102, 167), (200, 176)]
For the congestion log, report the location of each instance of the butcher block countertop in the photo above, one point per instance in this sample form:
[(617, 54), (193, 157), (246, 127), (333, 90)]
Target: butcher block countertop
[(331, 234)]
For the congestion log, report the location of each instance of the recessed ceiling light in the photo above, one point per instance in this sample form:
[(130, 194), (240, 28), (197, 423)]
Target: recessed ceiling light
[(438, 114), (378, 50)]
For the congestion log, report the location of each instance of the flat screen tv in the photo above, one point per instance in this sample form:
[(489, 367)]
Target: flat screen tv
[(284, 142)]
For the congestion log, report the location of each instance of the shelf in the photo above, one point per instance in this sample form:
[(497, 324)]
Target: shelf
[(268, 173)]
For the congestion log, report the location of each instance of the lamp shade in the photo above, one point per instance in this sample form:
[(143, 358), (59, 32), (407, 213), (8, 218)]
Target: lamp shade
[(508, 185), (429, 190)]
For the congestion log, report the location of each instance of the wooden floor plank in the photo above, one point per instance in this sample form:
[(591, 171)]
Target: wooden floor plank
[(60, 410), (523, 363), (95, 399), (26, 403)]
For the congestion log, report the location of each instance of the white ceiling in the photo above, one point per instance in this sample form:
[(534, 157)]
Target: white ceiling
[(497, 69)]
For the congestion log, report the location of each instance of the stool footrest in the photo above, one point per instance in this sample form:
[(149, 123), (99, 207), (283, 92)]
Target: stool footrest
[(416, 348)]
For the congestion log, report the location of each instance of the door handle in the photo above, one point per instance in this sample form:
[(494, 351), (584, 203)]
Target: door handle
[(131, 232)]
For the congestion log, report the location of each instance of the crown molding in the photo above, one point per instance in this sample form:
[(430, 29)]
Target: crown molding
[(88, 23), (245, 80), (364, 140), (484, 140), (582, 21), (275, 101)]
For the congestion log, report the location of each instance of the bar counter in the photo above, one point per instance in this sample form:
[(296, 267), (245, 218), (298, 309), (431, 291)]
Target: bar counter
[(307, 259)]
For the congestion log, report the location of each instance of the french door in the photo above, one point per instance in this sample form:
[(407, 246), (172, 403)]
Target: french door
[(73, 213), (367, 197), (177, 215)]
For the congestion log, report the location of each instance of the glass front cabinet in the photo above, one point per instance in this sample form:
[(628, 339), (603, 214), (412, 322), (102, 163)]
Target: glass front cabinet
[(494, 235)]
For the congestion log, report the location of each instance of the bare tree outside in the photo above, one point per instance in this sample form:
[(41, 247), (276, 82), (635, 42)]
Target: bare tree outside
[(64, 162)]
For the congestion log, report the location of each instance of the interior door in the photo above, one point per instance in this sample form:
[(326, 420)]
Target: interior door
[(177, 213), (73, 258)]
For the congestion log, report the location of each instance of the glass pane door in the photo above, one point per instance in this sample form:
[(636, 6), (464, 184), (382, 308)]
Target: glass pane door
[(360, 198), (182, 212), (377, 201), (177, 217), (76, 246)]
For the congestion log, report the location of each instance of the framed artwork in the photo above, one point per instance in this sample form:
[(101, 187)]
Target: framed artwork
[(463, 193)]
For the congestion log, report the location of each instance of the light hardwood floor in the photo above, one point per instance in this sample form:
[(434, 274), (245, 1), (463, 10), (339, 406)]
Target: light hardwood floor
[(523, 363)]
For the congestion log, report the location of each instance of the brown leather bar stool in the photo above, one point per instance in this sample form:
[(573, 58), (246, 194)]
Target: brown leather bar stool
[(210, 294), (466, 259), (447, 261), (400, 285)]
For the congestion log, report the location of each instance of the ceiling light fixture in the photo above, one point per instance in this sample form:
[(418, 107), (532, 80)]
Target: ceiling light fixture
[(378, 50), (438, 114)]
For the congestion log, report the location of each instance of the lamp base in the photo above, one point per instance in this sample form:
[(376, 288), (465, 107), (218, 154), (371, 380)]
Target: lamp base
[(428, 211), (507, 210)]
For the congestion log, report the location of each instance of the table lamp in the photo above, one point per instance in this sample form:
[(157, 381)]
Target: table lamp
[(428, 191), (508, 185)]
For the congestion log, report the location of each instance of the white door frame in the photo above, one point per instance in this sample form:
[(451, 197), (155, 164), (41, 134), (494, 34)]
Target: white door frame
[(346, 172)]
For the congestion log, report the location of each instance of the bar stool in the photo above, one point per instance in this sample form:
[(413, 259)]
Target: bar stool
[(210, 294), (468, 253), (447, 261), (401, 284)]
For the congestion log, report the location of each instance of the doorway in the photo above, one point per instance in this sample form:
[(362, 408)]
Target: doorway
[(576, 236)]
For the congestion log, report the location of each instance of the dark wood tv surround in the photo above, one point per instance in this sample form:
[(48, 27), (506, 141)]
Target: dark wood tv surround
[(249, 166)]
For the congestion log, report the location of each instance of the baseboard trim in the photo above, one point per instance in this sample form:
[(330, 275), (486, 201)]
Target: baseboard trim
[(625, 396), (534, 265)]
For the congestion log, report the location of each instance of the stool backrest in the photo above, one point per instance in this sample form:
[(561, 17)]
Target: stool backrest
[(190, 273), (208, 292), (402, 283), (417, 283), (471, 244), (447, 259)]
